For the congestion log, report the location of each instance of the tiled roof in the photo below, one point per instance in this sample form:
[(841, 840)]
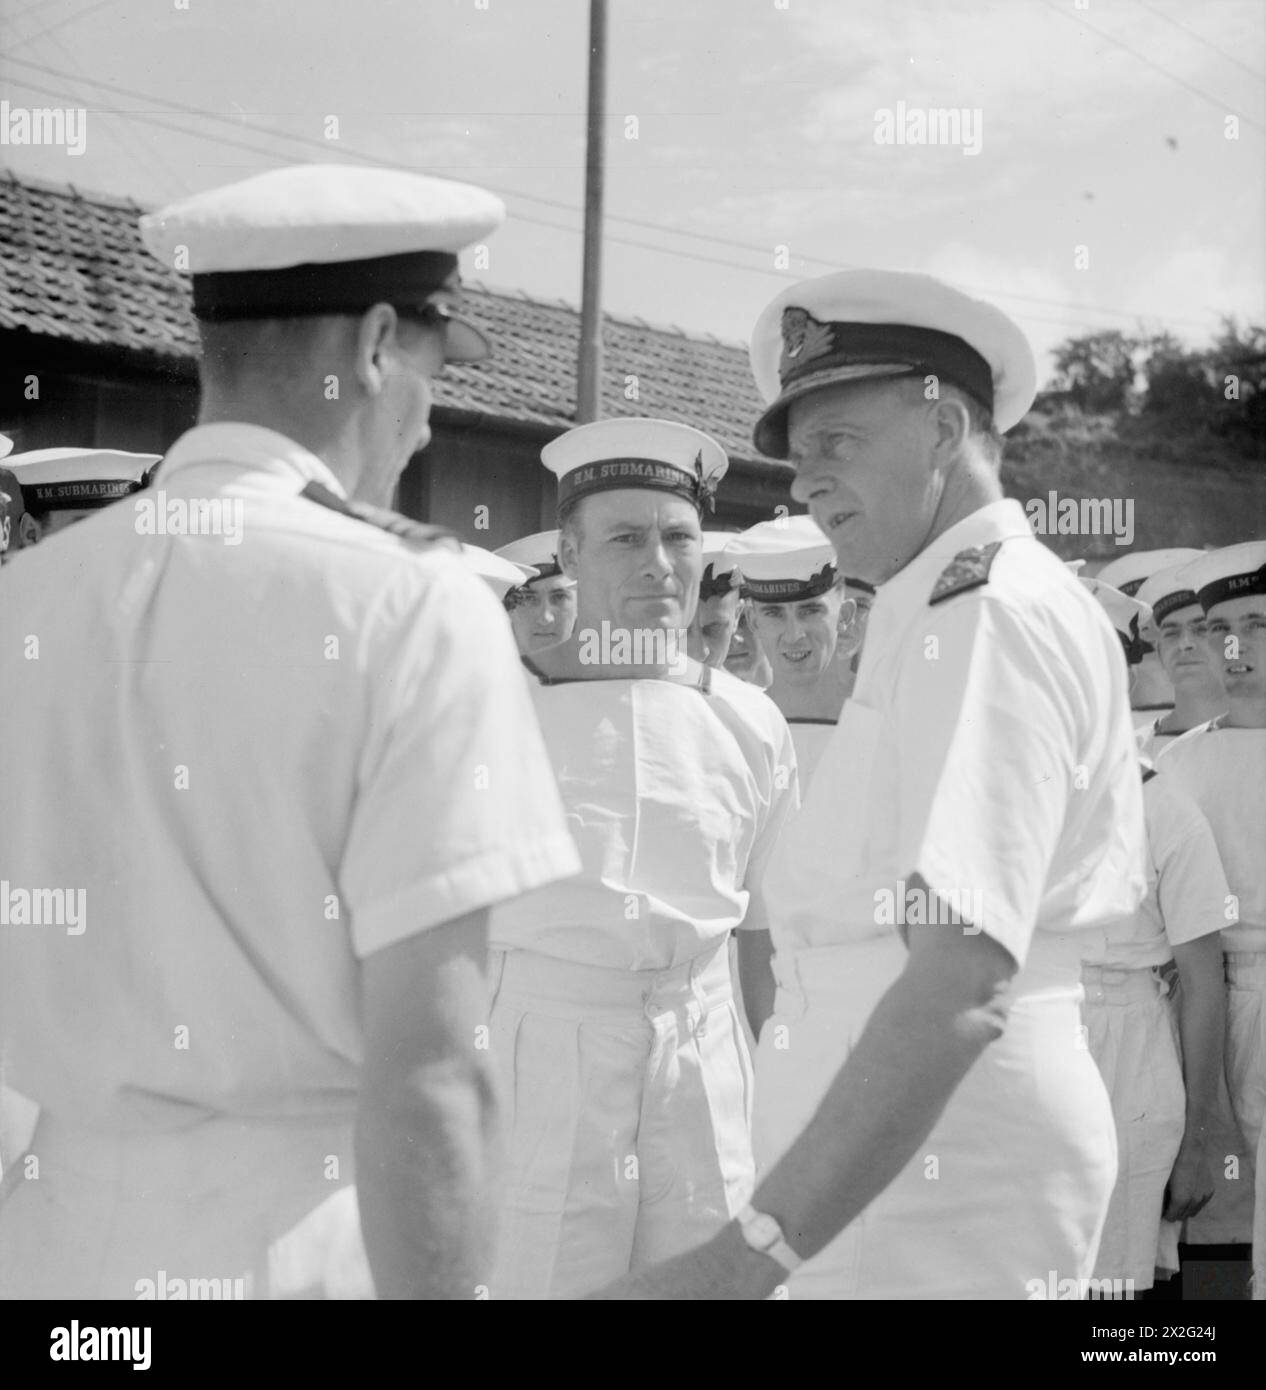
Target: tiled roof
[(72, 267)]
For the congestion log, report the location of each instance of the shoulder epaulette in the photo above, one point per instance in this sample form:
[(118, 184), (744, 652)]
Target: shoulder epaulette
[(969, 569), (416, 533)]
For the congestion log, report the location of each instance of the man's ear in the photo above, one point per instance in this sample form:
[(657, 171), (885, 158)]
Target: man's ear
[(567, 554), (375, 341), (29, 530), (951, 424)]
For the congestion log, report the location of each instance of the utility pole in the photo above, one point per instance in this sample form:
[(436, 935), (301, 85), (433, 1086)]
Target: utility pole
[(589, 362)]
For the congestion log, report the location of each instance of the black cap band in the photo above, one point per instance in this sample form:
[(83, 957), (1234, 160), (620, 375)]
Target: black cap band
[(1233, 586), (790, 590), (1171, 603), (608, 475), (80, 495), (811, 348), (336, 287), (816, 355)]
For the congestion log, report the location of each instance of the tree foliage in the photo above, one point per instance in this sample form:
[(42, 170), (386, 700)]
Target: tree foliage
[(1157, 386)]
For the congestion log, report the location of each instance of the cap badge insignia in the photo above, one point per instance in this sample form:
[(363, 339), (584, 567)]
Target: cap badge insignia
[(705, 488), (803, 339)]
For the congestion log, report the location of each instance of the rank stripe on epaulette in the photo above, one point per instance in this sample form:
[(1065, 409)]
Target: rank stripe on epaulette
[(415, 532), (969, 569)]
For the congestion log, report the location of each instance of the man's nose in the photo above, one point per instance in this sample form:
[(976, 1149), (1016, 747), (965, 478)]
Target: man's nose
[(657, 560), (809, 481)]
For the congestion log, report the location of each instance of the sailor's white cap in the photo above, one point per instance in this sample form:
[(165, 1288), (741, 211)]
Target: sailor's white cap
[(503, 575), (633, 452), (720, 572), (1130, 571), (786, 560), (328, 239), (1126, 614), (1234, 571), (1166, 591), (539, 551), (859, 324), (75, 479)]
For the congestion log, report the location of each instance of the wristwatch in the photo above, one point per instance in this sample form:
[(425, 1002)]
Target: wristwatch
[(764, 1234)]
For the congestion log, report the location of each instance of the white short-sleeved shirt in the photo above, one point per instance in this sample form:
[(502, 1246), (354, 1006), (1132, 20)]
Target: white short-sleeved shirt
[(258, 761), (810, 738), (1186, 887), (675, 796), (1224, 771), (987, 747)]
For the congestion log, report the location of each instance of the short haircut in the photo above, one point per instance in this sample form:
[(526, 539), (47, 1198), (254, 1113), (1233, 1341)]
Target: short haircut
[(569, 520), (981, 429), (239, 350), (983, 432)]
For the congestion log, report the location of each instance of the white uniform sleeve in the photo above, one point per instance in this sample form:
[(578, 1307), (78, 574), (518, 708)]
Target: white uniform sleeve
[(458, 808), (986, 764), (1192, 889)]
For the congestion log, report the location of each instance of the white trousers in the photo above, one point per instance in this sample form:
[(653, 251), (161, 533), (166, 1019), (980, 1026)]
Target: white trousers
[(1131, 1030), (628, 1102), (1007, 1196), (1246, 1072), (1237, 1122)]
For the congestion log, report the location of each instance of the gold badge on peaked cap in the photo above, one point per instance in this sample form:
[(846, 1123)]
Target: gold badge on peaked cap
[(803, 339)]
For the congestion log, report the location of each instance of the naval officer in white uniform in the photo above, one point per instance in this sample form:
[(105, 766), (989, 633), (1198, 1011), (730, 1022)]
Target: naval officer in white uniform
[(929, 1121), (279, 768), (614, 1028)]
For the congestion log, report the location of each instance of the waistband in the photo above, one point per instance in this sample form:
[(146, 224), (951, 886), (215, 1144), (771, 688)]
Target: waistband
[(595, 988), (1116, 984)]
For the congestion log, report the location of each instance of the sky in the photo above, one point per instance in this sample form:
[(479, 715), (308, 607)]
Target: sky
[(1092, 186)]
